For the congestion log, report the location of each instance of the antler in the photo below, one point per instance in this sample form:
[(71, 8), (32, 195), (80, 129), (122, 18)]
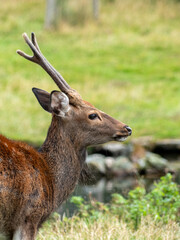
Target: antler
[(42, 61)]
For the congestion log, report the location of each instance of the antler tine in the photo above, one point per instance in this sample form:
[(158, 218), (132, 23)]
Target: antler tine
[(34, 41), (42, 61), (33, 58)]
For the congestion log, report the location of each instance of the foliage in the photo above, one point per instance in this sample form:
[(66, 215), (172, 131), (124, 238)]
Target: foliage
[(161, 203), (140, 216)]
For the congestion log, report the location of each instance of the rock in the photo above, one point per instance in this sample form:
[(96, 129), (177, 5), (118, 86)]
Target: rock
[(121, 185), (96, 162), (122, 166), (142, 163), (138, 152), (152, 161), (168, 144), (156, 161), (146, 142), (113, 149), (109, 161), (168, 148), (174, 166)]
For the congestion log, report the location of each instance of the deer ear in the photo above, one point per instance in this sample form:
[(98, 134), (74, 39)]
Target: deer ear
[(43, 98), (59, 103)]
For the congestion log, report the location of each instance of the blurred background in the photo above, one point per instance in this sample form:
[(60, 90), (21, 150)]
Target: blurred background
[(123, 56)]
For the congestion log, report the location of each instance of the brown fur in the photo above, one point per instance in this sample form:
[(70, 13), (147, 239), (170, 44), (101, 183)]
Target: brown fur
[(25, 185)]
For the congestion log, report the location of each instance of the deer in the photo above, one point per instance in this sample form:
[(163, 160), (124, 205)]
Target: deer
[(34, 183)]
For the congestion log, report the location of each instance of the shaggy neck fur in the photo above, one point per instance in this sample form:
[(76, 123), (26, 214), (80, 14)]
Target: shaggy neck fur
[(65, 158)]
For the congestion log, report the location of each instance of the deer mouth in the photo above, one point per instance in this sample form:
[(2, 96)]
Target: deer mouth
[(120, 138)]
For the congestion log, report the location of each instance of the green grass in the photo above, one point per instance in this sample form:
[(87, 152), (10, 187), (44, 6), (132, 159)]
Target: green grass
[(127, 64)]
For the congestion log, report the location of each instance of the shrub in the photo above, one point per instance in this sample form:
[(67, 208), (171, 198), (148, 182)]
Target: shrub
[(162, 203)]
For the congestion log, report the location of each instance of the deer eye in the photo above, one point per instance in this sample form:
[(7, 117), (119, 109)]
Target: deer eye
[(93, 116)]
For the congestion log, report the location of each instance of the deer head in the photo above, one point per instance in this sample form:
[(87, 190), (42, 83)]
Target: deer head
[(85, 122)]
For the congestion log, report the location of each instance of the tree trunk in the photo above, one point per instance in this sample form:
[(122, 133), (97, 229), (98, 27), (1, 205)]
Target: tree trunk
[(51, 14), (96, 8)]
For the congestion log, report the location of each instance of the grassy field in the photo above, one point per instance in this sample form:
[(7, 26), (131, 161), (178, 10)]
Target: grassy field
[(127, 64), (107, 228)]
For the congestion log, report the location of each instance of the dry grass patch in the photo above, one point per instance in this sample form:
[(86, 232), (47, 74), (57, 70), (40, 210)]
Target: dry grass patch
[(107, 228)]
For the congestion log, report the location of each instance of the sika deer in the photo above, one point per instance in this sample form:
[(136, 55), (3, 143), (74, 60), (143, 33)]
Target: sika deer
[(33, 183)]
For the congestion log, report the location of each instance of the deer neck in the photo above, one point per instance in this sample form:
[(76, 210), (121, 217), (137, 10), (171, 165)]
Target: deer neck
[(65, 159)]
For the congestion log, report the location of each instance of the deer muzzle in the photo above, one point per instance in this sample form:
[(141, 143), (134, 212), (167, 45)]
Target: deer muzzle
[(121, 136)]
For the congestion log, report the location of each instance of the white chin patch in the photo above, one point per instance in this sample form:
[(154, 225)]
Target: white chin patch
[(121, 139)]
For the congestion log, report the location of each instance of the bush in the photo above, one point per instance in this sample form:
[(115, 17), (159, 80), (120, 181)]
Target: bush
[(162, 203)]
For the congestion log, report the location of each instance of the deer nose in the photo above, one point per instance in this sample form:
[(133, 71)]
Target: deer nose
[(129, 130)]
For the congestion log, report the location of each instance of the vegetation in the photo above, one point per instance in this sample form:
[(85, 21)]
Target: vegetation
[(108, 227), (153, 215), (126, 64)]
